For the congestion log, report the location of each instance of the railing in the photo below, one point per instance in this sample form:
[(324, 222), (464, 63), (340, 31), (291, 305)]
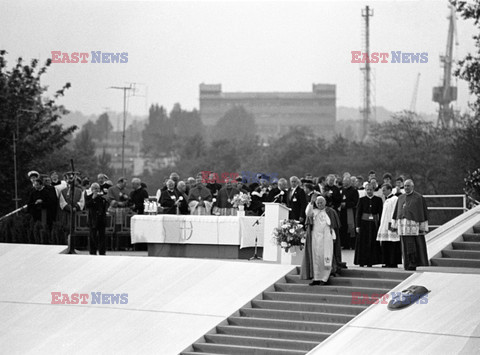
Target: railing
[(462, 208)]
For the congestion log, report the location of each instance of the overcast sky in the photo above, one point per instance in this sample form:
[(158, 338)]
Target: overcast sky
[(246, 46)]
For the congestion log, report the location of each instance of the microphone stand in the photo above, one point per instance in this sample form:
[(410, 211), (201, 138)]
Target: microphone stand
[(255, 255)]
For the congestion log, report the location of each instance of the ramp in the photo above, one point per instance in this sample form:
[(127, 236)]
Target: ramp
[(448, 324), (172, 302)]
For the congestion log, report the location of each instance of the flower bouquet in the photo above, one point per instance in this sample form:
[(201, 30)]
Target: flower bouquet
[(289, 234), (241, 199)]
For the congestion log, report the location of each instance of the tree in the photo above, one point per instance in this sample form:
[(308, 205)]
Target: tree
[(469, 67), (466, 143), (237, 124), (418, 149), (23, 102), (187, 123), (103, 128), (158, 135), (467, 136)]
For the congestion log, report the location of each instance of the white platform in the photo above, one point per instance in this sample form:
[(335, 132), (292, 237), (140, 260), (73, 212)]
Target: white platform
[(171, 301), (448, 324)]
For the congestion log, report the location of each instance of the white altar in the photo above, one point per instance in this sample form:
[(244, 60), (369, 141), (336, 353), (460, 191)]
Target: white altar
[(197, 236)]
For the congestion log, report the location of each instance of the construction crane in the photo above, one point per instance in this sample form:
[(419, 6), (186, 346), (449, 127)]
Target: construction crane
[(447, 93), (413, 103)]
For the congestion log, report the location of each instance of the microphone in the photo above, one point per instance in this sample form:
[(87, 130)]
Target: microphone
[(280, 194)]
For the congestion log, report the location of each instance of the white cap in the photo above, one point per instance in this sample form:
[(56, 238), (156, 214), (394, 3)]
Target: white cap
[(33, 172)]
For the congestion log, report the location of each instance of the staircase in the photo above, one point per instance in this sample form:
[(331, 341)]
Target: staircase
[(463, 252), (292, 317)]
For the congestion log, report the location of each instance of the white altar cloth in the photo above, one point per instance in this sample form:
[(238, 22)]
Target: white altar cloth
[(190, 229)]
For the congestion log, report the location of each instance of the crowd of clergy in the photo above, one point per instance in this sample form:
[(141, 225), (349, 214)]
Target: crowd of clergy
[(383, 220)]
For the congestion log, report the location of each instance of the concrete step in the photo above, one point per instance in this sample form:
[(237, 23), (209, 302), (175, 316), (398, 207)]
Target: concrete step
[(319, 327), (309, 307), (349, 281), (476, 228), (296, 315), (243, 350), (381, 273), (307, 297), (461, 254), (471, 237), (453, 262), (273, 333), (374, 272), (329, 289), (261, 342), (449, 270), (466, 246)]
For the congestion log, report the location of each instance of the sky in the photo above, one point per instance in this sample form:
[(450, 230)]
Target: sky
[(247, 46)]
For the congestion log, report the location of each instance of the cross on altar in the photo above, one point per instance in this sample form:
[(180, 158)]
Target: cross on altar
[(184, 230)]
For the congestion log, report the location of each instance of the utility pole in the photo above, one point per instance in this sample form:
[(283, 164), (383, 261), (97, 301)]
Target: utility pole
[(366, 13), (124, 88), (413, 103)]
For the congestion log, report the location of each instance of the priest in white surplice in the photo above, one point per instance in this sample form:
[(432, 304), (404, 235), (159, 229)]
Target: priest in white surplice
[(389, 239), (317, 262)]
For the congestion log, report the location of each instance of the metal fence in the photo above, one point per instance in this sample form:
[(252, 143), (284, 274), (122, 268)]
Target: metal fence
[(443, 208)]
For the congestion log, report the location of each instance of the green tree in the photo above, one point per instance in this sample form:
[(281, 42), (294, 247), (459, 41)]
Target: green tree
[(23, 104)]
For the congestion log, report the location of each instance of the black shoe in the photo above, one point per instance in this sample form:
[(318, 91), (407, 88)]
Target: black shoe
[(314, 283), (324, 282)]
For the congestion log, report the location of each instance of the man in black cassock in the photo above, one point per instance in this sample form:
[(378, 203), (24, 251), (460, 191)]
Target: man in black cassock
[(296, 200), (138, 195), (332, 194), (367, 249), (97, 207), (168, 198), (38, 206), (224, 199), (347, 213), (213, 185)]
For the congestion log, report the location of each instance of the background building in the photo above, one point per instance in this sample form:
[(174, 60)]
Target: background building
[(275, 112)]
